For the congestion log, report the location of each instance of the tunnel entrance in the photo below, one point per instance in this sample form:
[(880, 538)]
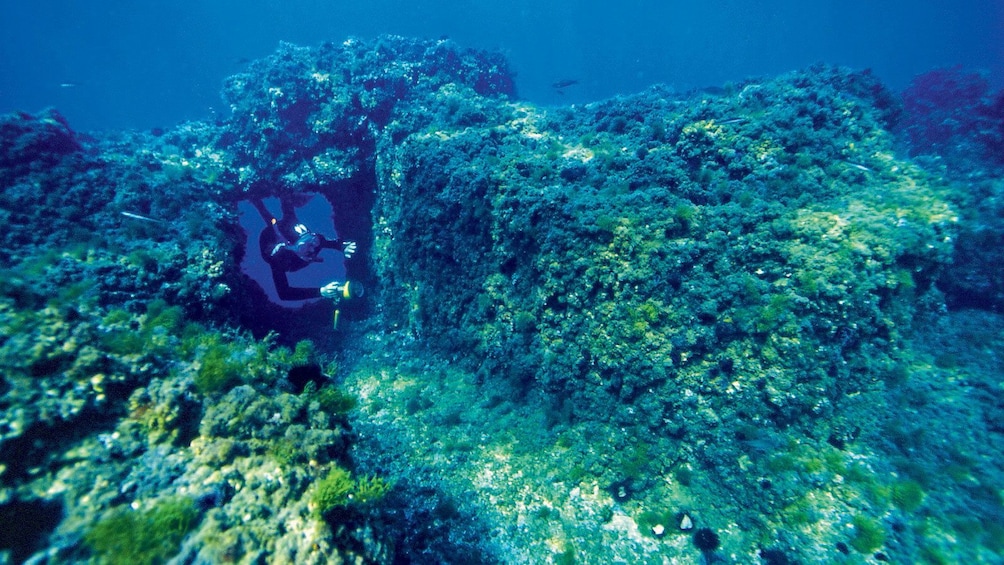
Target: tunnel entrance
[(342, 212), (312, 210)]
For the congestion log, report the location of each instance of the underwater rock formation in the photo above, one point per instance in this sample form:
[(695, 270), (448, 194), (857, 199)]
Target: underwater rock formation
[(953, 122), (629, 251), (310, 115), (601, 319)]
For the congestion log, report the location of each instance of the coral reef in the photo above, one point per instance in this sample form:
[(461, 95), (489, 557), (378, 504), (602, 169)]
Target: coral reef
[(652, 328)]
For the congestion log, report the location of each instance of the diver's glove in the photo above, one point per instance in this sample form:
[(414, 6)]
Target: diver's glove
[(349, 249), (333, 290), (342, 290)]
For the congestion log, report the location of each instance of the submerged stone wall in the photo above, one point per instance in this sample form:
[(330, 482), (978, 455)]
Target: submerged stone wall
[(762, 248)]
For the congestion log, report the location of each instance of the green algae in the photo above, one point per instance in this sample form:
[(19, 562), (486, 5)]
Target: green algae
[(142, 537), (155, 334), (333, 491), (338, 491), (218, 370), (869, 535), (657, 523), (335, 400), (908, 495)]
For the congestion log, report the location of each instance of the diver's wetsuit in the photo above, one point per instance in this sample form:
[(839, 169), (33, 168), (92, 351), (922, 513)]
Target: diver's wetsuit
[(283, 259)]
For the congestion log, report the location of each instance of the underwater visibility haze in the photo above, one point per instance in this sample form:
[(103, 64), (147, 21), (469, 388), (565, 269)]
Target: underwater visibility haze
[(483, 282)]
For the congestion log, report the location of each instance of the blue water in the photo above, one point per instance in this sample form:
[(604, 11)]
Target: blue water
[(113, 64), (318, 215)]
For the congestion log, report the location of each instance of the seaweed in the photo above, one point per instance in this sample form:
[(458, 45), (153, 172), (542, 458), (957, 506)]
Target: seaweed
[(140, 537)]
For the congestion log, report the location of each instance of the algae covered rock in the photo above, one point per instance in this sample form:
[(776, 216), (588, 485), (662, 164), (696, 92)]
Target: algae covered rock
[(702, 281), (25, 136), (310, 116), (638, 246)]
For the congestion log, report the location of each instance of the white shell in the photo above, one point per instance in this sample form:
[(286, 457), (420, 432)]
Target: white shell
[(686, 523)]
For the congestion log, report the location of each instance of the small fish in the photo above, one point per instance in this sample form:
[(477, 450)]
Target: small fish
[(67, 85), (564, 83), (859, 167), (732, 121), (143, 218)]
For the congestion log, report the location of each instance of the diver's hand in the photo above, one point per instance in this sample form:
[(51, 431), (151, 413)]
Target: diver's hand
[(349, 249), (331, 290)]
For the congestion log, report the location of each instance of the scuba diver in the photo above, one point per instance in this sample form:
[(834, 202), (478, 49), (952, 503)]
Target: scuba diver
[(286, 245)]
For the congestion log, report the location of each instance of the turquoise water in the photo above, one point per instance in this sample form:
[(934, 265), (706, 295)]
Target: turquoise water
[(153, 65)]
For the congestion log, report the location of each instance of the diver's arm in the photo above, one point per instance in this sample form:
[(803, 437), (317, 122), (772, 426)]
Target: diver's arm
[(280, 262), (335, 244), (346, 247), (287, 292)]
